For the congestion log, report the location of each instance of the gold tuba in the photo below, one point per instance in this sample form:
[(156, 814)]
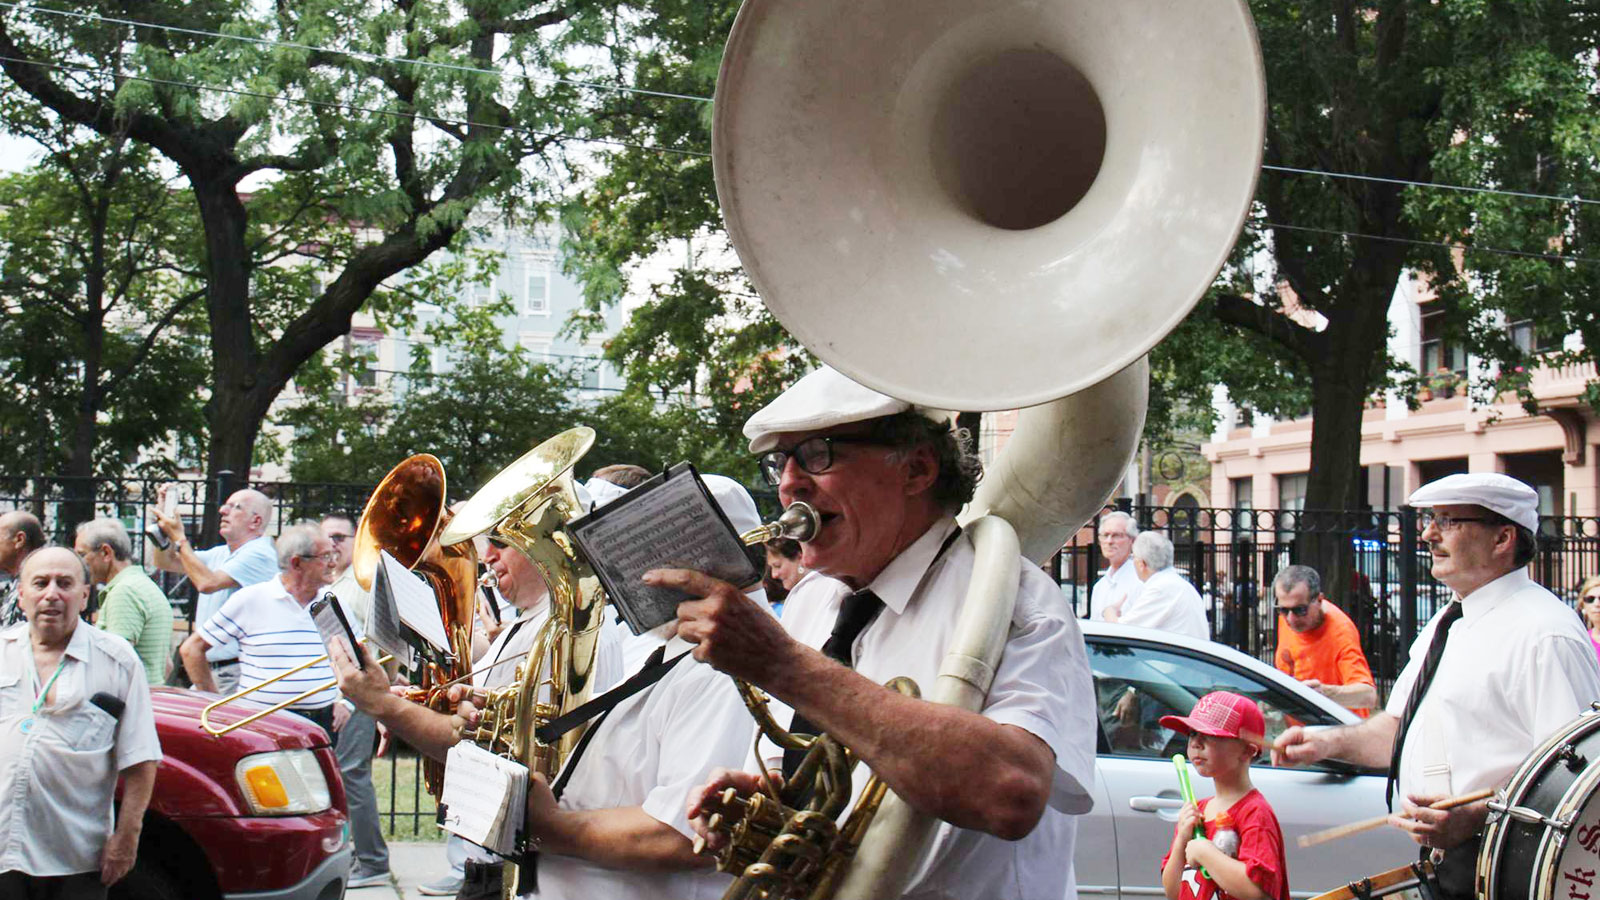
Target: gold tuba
[(527, 506), (980, 205)]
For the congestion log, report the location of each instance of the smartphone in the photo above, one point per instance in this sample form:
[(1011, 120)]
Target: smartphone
[(169, 506), (332, 624)]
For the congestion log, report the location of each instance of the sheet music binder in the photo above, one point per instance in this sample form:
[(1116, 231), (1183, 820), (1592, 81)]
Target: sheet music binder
[(670, 521)]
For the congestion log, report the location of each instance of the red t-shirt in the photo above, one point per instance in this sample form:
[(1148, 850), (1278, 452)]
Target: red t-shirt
[(1260, 849)]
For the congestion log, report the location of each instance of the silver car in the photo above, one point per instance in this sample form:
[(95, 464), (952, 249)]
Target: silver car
[(1140, 675)]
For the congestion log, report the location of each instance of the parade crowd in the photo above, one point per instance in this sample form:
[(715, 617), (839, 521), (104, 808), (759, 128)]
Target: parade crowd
[(874, 595)]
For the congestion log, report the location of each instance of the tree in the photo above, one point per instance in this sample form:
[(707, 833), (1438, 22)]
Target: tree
[(317, 174), (99, 332), (1498, 94)]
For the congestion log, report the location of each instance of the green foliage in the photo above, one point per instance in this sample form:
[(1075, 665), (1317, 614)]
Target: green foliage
[(101, 337)]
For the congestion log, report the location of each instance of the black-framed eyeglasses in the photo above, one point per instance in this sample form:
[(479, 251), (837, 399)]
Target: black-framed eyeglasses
[(330, 557), (339, 538), (814, 455), (1300, 610), (1445, 522)]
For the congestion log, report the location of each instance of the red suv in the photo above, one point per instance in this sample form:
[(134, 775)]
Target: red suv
[(257, 812)]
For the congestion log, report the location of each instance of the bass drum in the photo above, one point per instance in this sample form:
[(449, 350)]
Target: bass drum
[(1543, 837)]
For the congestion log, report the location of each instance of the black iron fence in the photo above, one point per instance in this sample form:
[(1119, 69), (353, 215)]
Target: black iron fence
[(1232, 555)]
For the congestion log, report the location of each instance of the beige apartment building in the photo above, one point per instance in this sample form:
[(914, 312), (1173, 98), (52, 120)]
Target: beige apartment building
[(1262, 464)]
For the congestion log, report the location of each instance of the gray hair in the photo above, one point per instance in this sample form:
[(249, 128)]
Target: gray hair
[(959, 470), (1128, 522), (1153, 549), (298, 540), (107, 533), (1293, 576)]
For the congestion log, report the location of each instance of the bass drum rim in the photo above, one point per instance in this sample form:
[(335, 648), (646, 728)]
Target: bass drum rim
[(1540, 885)]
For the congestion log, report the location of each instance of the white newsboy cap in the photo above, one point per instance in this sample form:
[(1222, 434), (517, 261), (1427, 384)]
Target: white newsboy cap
[(821, 400), (735, 501), (1490, 490), (602, 492)]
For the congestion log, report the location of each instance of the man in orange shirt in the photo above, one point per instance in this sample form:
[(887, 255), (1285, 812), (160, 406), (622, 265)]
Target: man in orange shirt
[(1320, 646)]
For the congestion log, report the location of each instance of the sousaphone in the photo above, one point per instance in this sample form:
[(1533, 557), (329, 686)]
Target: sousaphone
[(990, 205)]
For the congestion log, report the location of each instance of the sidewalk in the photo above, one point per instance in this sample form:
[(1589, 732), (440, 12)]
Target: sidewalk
[(410, 864)]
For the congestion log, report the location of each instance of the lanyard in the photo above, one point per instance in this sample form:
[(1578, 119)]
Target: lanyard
[(38, 702)]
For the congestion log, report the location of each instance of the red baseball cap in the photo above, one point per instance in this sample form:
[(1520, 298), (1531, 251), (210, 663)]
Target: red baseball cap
[(1222, 714)]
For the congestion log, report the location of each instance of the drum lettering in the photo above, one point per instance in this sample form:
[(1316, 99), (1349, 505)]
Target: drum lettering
[(1578, 878), (1589, 837)]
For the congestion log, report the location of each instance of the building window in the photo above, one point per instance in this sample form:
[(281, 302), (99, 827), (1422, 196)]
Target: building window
[(481, 295), (1292, 491), (367, 368), (1529, 340), (591, 376), (537, 289), (1437, 353), (1244, 492)]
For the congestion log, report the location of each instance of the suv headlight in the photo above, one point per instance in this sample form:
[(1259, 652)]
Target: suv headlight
[(282, 783)]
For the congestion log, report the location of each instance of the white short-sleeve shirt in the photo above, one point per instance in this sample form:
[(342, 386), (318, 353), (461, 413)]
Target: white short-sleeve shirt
[(654, 749), (1518, 665), (1043, 686), (1168, 602), (253, 562), (1121, 585), (275, 633), (58, 777)]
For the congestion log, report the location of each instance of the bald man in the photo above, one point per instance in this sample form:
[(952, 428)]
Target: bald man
[(20, 535), (245, 557)]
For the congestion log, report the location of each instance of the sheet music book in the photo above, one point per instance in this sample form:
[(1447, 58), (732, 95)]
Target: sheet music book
[(668, 522), (485, 797), (400, 595)]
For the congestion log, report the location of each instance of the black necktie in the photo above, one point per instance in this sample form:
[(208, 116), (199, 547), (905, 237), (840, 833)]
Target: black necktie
[(1430, 665), (855, 614)]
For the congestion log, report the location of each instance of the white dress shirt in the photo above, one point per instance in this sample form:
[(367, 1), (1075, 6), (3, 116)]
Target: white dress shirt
[(652, 751), (57, 780), (1042, 685), (1168, 602), (1518, 665), (1122, 584)]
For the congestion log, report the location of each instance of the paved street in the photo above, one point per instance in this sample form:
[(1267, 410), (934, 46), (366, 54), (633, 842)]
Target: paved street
[(411, 865)]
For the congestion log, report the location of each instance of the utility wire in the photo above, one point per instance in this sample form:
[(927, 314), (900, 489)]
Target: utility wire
[(378, 57), (1468, 248), (353, 54), (346, 107), (1553, 257)]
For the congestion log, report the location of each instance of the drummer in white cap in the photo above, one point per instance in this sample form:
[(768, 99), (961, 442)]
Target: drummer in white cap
[(887, 478), (1499, 669)]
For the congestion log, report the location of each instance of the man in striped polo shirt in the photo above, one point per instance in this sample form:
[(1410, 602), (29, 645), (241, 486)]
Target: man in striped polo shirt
[(275, 632)]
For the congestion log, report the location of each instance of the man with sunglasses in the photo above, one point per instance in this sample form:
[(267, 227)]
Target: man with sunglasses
[(1493, 674), (887, 478), (1318, 644)]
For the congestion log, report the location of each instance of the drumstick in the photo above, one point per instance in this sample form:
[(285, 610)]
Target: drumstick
[(1341, 831)]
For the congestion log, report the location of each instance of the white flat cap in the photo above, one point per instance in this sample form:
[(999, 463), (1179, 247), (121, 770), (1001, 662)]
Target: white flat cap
[(602, 492), (735, 501), (824, 399), (1492, 491)]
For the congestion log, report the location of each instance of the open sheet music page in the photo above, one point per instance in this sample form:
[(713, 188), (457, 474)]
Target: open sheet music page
[(414, 603), (669, 522), (485, 797), (383, 626)]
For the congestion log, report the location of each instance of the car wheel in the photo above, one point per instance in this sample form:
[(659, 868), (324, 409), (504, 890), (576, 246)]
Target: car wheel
[(147, 881)]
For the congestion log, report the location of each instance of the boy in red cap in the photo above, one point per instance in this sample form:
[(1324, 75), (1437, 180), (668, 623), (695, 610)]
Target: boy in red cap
[(1242, 852)]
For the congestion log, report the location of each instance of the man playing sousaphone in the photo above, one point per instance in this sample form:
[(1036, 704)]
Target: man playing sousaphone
[(1500, 668), (887, 478)]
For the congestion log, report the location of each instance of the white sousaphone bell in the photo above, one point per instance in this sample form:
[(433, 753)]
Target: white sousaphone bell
[(990, 205)]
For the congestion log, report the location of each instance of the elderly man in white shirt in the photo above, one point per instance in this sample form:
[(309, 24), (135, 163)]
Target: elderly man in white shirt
[(1167, 601), (1493, 674), (886, 478), (1120, 584), (74, 715)]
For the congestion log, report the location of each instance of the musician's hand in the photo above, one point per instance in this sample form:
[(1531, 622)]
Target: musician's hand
[(1297, 746), (541, 804), (367, 687), (1439, 828), (468, 703), (703, 800), (730, 631)]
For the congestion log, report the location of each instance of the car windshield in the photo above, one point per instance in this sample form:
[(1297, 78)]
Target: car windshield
[(1136, 684)]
